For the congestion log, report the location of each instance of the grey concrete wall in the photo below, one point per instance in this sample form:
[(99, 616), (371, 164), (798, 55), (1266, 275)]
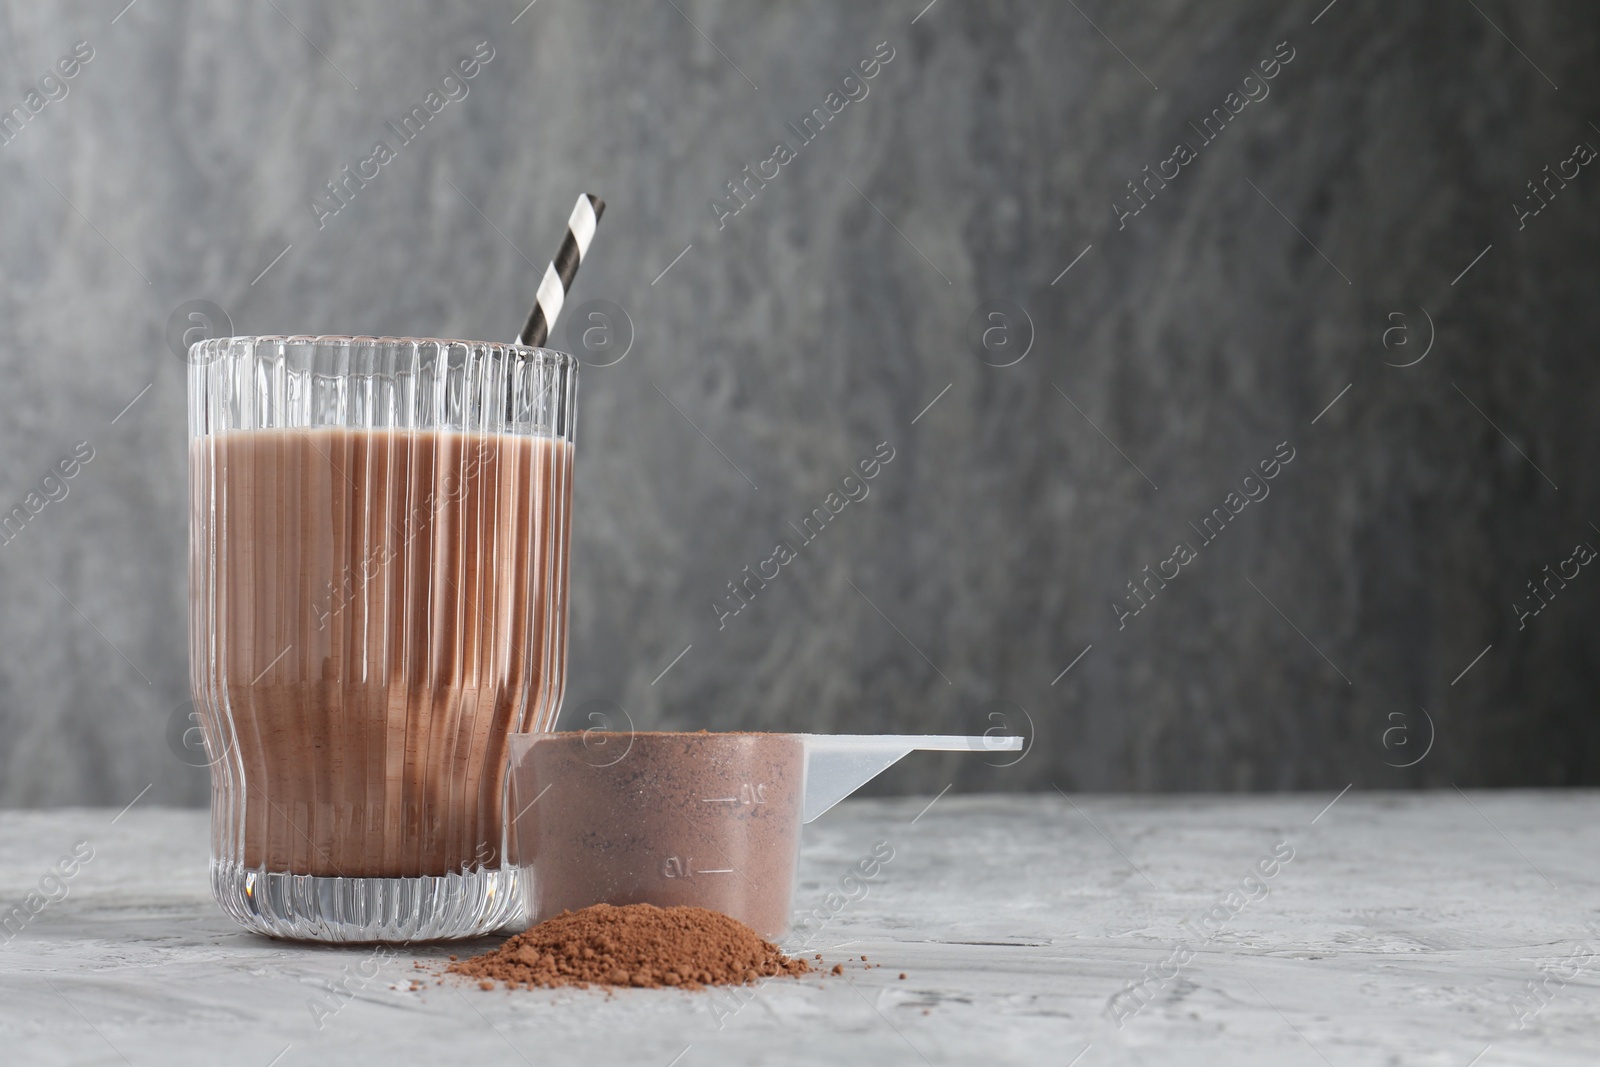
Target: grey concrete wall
[(1318, 640)]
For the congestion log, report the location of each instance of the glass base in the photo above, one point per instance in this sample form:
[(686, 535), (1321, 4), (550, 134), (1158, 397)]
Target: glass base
[(318, 908)]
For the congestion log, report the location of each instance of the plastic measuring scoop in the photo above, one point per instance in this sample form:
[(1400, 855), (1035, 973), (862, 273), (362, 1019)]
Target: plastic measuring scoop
[(705, 819)]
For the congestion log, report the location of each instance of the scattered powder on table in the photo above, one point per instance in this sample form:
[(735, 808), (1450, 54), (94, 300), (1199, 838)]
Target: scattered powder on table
[(632, 945)]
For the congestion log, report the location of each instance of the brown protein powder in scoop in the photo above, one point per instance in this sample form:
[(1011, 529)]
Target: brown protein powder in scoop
[(639, 818), (633, 945)]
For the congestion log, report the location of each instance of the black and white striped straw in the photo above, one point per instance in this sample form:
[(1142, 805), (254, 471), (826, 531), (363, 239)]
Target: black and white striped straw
[(558, 275)]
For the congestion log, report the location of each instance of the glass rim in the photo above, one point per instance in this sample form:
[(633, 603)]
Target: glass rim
[(352, 340)]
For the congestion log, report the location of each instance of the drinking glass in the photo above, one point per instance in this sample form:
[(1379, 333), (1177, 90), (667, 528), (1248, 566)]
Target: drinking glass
[(378, 589)]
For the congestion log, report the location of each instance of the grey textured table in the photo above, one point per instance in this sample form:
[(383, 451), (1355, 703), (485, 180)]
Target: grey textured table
[(1405, 929)]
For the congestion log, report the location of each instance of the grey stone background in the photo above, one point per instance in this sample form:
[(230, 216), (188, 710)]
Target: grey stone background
[(1320, 640)]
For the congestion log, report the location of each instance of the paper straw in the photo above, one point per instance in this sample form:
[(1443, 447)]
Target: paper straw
[(558, 275)]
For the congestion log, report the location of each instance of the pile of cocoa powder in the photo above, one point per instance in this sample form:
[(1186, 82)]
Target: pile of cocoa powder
[(632, 945)]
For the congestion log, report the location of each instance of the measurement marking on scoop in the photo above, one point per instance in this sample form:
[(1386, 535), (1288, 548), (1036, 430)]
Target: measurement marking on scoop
[(749, 793), (683, 867)]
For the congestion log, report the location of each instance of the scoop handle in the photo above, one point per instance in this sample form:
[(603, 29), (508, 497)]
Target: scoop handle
[(839, 764)]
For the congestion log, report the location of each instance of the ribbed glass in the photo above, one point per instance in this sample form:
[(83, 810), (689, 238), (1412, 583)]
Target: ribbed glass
[(377, 601)]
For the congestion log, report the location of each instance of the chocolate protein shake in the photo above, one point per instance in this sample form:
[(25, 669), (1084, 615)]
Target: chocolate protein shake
[(377, 610)]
